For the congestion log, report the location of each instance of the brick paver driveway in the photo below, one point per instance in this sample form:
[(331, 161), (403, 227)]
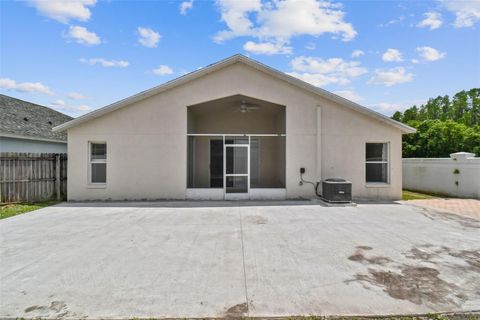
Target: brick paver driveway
[(465, 207), (127, 260)]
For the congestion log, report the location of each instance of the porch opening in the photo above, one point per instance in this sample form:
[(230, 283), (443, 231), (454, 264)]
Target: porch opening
[(236, 145)]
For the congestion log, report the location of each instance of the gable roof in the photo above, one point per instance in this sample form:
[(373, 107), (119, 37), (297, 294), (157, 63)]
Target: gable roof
[(238, 58), (26, 120)]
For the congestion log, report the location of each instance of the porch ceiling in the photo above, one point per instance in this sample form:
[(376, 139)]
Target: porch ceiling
[(232, 105)]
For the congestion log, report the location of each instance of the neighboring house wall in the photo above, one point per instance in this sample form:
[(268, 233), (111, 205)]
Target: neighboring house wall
[(437, 175), (8, 144), (147, 143)]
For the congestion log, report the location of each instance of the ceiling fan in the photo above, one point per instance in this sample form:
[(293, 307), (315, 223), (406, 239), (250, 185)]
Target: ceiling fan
[(247, 107)]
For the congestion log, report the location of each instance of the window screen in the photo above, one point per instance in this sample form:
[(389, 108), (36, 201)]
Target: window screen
[(376, 162), (98, 151), (98, 162), (99, 172)]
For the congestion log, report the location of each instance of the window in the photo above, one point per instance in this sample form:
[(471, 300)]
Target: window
[(98, 163), (376, 162)]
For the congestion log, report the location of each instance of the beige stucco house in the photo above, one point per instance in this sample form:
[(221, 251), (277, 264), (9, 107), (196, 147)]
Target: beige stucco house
[(236, 129)]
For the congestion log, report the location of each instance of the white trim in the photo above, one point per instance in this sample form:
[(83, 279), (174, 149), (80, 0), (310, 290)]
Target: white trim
[(224, 168), (194, 163), (248, 164), (373, 183), (268, 194), (236, 134), (258, 160), (90, 184), (224, 63), (204, 194), (217, 194), (236, 196), (377, 185), (97, 186), (238, 144), (16, 136), (258, 193), (318, 164)]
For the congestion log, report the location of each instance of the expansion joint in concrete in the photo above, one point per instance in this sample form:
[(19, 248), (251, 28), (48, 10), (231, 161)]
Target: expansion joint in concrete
[(243, 263)]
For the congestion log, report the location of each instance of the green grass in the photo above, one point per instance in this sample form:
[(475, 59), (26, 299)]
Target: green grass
[(414, 195), (451, 316), (10, 210)]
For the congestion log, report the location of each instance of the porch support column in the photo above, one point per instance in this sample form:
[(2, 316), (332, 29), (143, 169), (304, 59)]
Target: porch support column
[(319, 145)]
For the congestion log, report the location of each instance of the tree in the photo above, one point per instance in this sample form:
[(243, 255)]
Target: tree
[(410, 114), (397, 116), (443, 125)]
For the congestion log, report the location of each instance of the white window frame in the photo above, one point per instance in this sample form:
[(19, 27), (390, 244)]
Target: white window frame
[(91, 162), (373, 183)]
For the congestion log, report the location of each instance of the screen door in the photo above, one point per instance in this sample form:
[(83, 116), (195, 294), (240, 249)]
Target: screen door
[(237, 170)]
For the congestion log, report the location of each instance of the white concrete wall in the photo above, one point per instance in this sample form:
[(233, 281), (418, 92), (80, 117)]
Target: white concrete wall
[(147, 144), (437, 175), (8, 144)]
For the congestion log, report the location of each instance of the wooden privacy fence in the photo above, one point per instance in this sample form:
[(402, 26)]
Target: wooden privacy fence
[(30, 177)]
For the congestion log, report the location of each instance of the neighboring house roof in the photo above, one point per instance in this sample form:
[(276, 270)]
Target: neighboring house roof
[(222, 64), (26, 120)]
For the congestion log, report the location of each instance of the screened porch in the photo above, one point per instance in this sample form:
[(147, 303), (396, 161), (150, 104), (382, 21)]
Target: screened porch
[(236, 149)]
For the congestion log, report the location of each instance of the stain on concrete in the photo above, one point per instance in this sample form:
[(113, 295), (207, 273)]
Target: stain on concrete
[(364, 247), (237, 311), (433, 214), (421, 284), (34, 308), (416, 284), (256, 219), (359, 256), (472, 258), (57, 309), (428, 253), (419, 254), (57, 306)]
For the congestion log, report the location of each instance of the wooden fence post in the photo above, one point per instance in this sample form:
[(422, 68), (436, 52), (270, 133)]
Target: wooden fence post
[(58, 179)]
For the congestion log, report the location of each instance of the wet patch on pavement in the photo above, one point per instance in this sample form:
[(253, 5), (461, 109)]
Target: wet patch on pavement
[(364, 247), (416, 284), (423, 283), (256, 219), (237, 311), (433, 214), (359, 256), (469, 260), (56, 309)]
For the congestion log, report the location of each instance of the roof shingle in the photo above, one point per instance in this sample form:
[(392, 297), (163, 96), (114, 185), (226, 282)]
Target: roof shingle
[(18, 117)]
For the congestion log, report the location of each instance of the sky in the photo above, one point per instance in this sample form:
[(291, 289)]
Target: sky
[(79, 55)]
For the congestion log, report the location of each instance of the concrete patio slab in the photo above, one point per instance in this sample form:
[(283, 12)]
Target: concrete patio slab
[(194, 259)]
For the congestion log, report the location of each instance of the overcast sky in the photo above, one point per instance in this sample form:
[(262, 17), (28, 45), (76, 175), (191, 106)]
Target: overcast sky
[(80, 55)]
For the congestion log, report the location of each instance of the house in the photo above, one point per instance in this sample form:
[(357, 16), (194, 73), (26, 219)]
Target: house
[(27, 127), (236, 129)]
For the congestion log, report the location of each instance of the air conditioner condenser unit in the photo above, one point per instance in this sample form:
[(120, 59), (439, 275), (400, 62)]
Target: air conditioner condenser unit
[(337, 190)]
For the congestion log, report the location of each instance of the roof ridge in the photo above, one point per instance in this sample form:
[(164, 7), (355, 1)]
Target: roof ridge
[(226, 62)]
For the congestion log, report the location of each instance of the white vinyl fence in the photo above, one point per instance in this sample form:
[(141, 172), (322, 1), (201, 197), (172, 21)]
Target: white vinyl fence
[(457, 176)]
